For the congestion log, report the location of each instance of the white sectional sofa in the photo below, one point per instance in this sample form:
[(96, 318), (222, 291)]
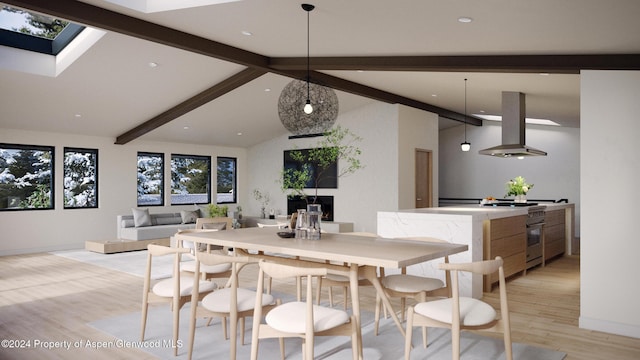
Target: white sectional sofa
[(162, 226)]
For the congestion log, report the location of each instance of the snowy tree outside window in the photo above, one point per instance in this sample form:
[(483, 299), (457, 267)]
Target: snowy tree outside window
[(190, 179), (150, 179), (226, 180), (80, 178), (26, 177)]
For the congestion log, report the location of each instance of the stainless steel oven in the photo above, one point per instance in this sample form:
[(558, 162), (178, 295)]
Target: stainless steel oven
[(535, 235)]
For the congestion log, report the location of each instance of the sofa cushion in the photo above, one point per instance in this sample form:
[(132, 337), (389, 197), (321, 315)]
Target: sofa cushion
[(189, 217), (141, 217), (166, 219)]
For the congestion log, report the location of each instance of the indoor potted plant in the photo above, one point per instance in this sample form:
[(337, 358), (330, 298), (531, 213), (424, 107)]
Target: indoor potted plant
[(518, 187)]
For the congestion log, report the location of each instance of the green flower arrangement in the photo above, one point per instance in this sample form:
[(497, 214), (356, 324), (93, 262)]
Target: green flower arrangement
[(518, 186)]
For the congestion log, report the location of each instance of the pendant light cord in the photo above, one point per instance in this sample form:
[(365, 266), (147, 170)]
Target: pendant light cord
[(308, 66), (465, 110)]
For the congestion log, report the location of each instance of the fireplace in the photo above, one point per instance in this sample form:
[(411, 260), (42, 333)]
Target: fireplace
[(296, 202)]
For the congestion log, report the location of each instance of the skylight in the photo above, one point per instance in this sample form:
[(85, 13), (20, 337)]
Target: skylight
[(30, 31), (151, 6), (527, 120)]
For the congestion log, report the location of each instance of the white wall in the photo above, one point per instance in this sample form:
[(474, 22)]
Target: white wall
[(359, 196), (46, 230), (609, 171), (471, 175), (417, 130)]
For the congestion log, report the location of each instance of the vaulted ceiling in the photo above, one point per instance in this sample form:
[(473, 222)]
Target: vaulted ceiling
[(211, 82)]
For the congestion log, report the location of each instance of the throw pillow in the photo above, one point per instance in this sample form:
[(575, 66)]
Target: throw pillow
[(214, 226), (189, 217), (141, 217), (203, 210)]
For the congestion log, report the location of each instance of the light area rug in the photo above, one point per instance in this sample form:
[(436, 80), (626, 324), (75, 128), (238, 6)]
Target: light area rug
[(131, 262), (210, 344), (389, 344)]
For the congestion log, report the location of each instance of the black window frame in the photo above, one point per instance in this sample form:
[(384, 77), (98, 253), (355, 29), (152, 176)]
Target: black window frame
[(161, 181), (234, 185), (67, 150), (46, 148), (207, 182)]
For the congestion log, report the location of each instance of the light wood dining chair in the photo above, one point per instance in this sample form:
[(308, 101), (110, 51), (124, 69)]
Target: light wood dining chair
[(299, 319), (280, 225), (332, 280), (175, 291), (232, 302), (208, 272), (463, 313), (406, 286)]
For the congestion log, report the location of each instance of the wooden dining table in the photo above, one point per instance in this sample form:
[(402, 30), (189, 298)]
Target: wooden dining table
[(355, 256)]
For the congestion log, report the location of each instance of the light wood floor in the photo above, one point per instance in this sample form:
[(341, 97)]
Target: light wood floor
[(50, 298)]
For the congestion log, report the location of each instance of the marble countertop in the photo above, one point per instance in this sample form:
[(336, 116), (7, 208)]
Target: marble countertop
[(486, 212)]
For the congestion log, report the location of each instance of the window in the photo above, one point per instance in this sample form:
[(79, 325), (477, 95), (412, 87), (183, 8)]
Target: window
[(190, 179), (80, 178), (150, 179), (26, 177), (226, 180)]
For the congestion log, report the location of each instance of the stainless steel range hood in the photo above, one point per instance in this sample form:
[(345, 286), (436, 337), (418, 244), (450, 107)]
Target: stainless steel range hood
[(513, 129)]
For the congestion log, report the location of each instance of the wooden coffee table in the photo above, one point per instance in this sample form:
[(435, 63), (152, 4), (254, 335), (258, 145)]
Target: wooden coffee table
[(122, 245)]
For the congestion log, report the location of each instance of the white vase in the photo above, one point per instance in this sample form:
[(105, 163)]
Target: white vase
[(520, 199)]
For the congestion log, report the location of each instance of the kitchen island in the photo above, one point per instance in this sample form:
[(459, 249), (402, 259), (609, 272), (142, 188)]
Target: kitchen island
[(487, 230)]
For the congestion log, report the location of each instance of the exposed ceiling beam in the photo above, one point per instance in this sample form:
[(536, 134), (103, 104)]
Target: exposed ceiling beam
[(557, 64), (384, 96), (202, 98), (98, 17)]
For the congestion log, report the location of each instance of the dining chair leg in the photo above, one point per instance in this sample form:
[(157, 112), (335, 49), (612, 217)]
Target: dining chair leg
[(408, 334), (281, 341), (455, 343), (423, 298), (318, 289), (233, 332), (192, 329), (176, 324), (242, 331), (143, 325), (225, 334), (345, 291), (376, 321), (331, 296), (355, 344)]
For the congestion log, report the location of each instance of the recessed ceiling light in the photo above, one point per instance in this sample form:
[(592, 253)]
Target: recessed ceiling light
[(465, 19), (77, 116), (186, 128), (267, 89), (246, 33), (239, 134), (434, 95), (153, 64)]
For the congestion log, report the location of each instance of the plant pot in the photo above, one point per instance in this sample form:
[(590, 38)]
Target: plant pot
[(520, 199)]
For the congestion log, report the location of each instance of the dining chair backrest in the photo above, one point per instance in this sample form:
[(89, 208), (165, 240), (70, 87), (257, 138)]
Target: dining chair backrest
[(175, 290), (476, 314), (230, 302), (299, 319)]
